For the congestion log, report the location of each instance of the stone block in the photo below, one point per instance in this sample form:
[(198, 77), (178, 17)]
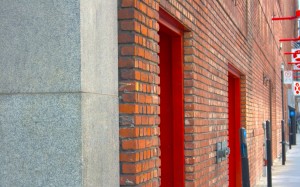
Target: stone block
[(99, 46), (40, 140), (100, 140), (39, 46)]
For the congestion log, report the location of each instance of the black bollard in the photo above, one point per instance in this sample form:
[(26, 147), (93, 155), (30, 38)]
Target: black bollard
[(269, 154), (283, 142)]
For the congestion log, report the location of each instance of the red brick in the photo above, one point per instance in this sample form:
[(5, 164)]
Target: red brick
[(131, 167), (128, 108), (128, 50), (126, 38), (128, 13), (129, 157), (128, 3), (127, 25), (129, 132), (217, 33)]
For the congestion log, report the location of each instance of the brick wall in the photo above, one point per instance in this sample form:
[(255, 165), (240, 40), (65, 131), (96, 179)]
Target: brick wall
[(139, 93), (220, 32)]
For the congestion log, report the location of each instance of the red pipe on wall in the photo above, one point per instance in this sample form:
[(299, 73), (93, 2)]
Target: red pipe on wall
[(288, 18), (289, 39), (294, 62)]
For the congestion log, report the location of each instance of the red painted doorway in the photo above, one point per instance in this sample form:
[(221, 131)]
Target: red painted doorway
[(171, 101), (234, 115)]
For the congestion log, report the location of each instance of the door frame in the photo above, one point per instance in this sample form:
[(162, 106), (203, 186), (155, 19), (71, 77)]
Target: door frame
[(171, 27), (234, 125)]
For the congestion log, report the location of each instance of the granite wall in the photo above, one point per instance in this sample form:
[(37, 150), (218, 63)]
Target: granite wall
[(58, 93)]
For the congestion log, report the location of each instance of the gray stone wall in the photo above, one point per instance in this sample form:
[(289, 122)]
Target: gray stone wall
[(40, 140), (40, 46), (58, 93)]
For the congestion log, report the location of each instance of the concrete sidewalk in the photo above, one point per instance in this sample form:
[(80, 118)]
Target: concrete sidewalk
[(287, 175)]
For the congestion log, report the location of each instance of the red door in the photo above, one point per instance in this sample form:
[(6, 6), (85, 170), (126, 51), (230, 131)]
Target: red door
[(171, 103), (235, 171)]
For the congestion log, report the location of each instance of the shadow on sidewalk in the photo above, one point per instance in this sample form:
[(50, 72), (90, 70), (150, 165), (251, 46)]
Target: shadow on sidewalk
[(285, 175)]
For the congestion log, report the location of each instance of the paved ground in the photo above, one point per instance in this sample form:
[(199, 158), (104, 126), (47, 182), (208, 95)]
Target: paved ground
[(289, 174)]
